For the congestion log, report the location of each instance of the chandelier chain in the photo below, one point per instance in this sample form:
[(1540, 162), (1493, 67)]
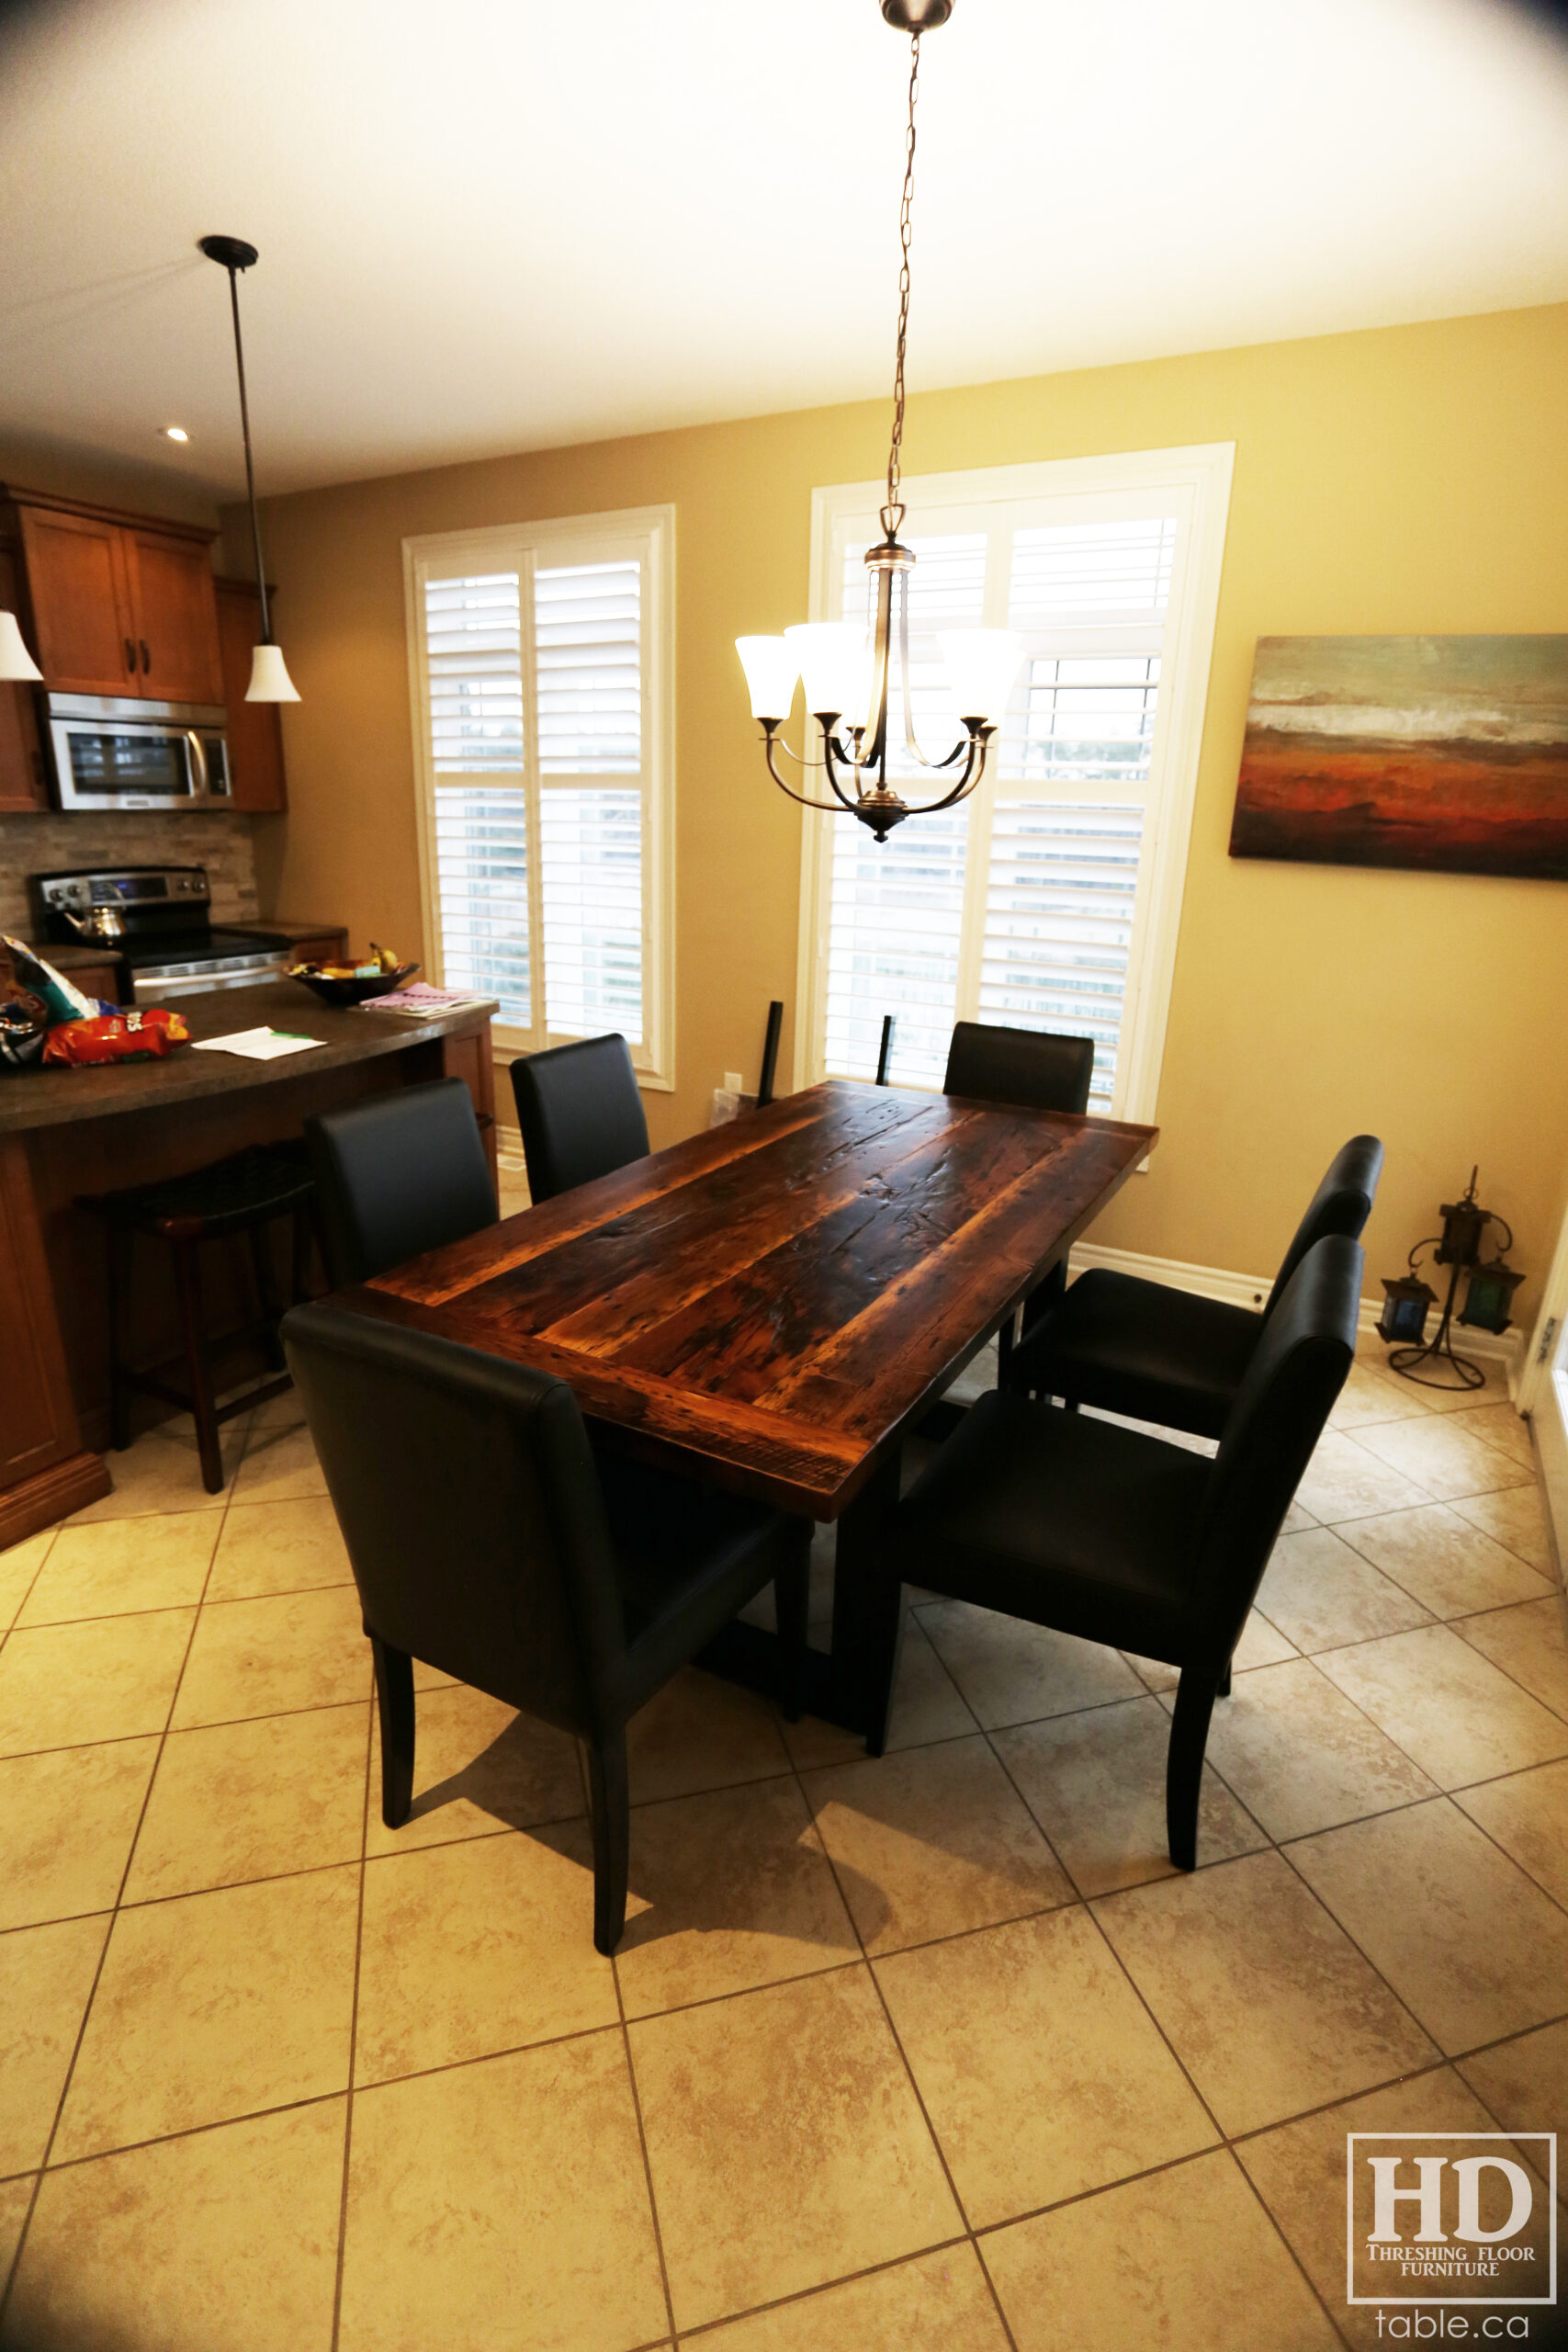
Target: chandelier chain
[(893, 512)]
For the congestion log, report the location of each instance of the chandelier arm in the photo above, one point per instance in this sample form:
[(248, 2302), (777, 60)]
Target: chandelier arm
[(828, 808), (776, 742), (832, 763), (974, 769)]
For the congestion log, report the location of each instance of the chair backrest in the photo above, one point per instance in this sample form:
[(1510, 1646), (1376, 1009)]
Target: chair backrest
[(1342, 1203), (401, 1173), (580, 1112), (1033, 1066), (471, 1506), (1281, 1408)]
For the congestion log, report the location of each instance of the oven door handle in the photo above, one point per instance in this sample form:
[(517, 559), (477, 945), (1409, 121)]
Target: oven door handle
[(196, 756)]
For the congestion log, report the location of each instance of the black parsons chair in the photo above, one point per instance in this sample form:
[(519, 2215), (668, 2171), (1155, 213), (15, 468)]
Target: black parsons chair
[(580, 1112), (1157, 1354), (396, 1175), (486, 1540), (1099, 1531)]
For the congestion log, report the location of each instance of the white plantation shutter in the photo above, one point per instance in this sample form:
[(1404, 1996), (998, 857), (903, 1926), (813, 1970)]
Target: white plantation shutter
[(542, 711), (1027, 905)]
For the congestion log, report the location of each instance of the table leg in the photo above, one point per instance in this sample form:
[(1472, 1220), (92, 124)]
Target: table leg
[(857, 1592)]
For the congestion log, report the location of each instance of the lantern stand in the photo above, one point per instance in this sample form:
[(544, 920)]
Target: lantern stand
[(1457, 1247)]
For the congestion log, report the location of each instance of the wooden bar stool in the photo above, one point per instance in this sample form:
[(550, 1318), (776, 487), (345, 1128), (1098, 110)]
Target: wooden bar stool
[(241, 1195)]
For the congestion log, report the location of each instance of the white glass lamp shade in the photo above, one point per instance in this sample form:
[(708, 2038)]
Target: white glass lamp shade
[(270, 680), (833, 667), (15, 662), (981, 666), (772, 669)]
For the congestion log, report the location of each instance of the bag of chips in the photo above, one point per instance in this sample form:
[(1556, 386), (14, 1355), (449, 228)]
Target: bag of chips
[(36, 977), (116, 1037), (23, 1029)]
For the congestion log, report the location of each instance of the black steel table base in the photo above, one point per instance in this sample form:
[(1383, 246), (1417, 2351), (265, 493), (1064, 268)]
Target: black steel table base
[(1438, 1350)]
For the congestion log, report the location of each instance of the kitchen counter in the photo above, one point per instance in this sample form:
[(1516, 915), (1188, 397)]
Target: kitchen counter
[(48, 1098)]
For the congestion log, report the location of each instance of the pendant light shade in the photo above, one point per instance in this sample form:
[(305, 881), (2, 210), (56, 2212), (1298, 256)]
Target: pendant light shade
[(15, 662), (270, 680), (981, 666), (772, 669)]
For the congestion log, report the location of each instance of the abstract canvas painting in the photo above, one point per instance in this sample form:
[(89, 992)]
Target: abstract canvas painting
[(1446, 753)]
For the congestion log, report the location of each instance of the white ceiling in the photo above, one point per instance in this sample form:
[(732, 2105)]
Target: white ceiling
[(492, 225)]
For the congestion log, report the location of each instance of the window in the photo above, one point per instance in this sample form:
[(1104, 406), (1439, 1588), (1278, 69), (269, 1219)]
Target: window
[(1049, 899), (542, 686)]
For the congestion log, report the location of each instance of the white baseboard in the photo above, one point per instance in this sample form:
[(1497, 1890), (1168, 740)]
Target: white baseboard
[(1251, 1290)]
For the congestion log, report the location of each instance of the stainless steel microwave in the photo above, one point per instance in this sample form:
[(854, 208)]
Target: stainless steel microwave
[(114, 752)]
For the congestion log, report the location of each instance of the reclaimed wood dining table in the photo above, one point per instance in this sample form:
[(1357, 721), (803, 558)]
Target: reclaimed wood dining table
[(774, 1306)]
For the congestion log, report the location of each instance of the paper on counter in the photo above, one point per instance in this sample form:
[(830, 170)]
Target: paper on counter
[(257, 1045)]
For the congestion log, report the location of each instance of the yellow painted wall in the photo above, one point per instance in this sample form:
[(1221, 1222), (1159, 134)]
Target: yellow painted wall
[(1415, 479)]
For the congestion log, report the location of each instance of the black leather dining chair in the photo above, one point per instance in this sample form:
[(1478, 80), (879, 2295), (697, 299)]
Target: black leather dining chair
[(489, 1539), (1158, 1354), (580, 1112), (1077, 1524), (401, 1174)]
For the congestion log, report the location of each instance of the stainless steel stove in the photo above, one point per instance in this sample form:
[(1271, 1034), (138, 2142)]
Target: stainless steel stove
[(157, 920)]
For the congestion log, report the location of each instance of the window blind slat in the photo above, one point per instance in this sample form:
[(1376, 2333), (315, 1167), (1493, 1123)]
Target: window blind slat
[(588, 663), (481, 856), (893, 946), (591, 867), (474, 672)]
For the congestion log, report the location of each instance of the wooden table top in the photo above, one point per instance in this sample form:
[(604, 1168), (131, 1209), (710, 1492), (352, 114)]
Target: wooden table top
[(781, 1295)]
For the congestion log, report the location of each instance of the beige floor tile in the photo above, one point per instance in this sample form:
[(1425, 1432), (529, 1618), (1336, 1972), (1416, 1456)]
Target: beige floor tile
[(1517, 1518), (478, 1948), (1095, 1782), (701, 1733), (1296, 1518), (1450, 1709), (728, 1890), (1493, 1389), (123, 1564), (46, 1975), (926, 1707), (261, 1658), (1343, 1480), (1298, 2172), (1529, 1643), (111, 1678), (1321, 1593), (1301, 1757), (213, 2006), (15, 2196), (1443, 1562), (1446, 1460), (1526, 1815), (279, 1547), (1186, 2260), (223, 2238), (939, 2302), (279, 1465), (1261, 1644), (1472, 1946), (1370, 1396), (251, 1800), (20, 1563), (478, 1766), (1524, 2084), (285, 1412), (932, 1843), (162, 1473), (1265, 2000), (1011, 1672), (67, 1818), (1039, 2067), (1500, 1426), (788, 2111), (502, 2205)]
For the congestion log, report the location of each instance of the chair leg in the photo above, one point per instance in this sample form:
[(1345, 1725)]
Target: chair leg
[(203, 1402), (792, 1607), (394, 1704), (1184, 1764), (268, 1307), (120, 1287), (610, 1807), (300, 1269)]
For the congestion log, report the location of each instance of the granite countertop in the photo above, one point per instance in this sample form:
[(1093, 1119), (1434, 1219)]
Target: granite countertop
[(78, 953), (50, 1098)]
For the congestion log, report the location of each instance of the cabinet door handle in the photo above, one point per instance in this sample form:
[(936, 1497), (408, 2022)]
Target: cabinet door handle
[(146, 657), (131, 655)]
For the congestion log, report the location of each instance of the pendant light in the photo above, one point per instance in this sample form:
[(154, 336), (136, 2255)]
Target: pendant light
[(15, 662), (270, 680), (848, 675)]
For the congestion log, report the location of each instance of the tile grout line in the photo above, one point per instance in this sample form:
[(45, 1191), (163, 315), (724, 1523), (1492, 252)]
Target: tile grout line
[(353, 2035), (586, 1786)]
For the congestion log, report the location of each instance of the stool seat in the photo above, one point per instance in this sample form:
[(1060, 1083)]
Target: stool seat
[(224, 1197)]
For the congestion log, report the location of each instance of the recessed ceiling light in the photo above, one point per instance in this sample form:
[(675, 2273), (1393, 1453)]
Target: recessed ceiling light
[(176, 432)]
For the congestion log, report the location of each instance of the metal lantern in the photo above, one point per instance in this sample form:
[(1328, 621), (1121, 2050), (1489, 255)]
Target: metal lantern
[(1487, 1300), (1404, 1306)]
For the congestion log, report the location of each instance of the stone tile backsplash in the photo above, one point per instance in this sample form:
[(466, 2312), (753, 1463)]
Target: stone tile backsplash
[(218, 839)]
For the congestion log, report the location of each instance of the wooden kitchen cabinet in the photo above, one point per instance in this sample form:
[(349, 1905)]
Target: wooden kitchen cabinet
[(120, 604), (23, 785), (256, 729)]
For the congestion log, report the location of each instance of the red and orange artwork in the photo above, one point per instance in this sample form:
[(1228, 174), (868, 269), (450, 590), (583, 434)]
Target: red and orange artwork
[(1448, 755)]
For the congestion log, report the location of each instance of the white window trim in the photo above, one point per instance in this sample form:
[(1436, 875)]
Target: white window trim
[(1202, 475), (654, 1059)]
